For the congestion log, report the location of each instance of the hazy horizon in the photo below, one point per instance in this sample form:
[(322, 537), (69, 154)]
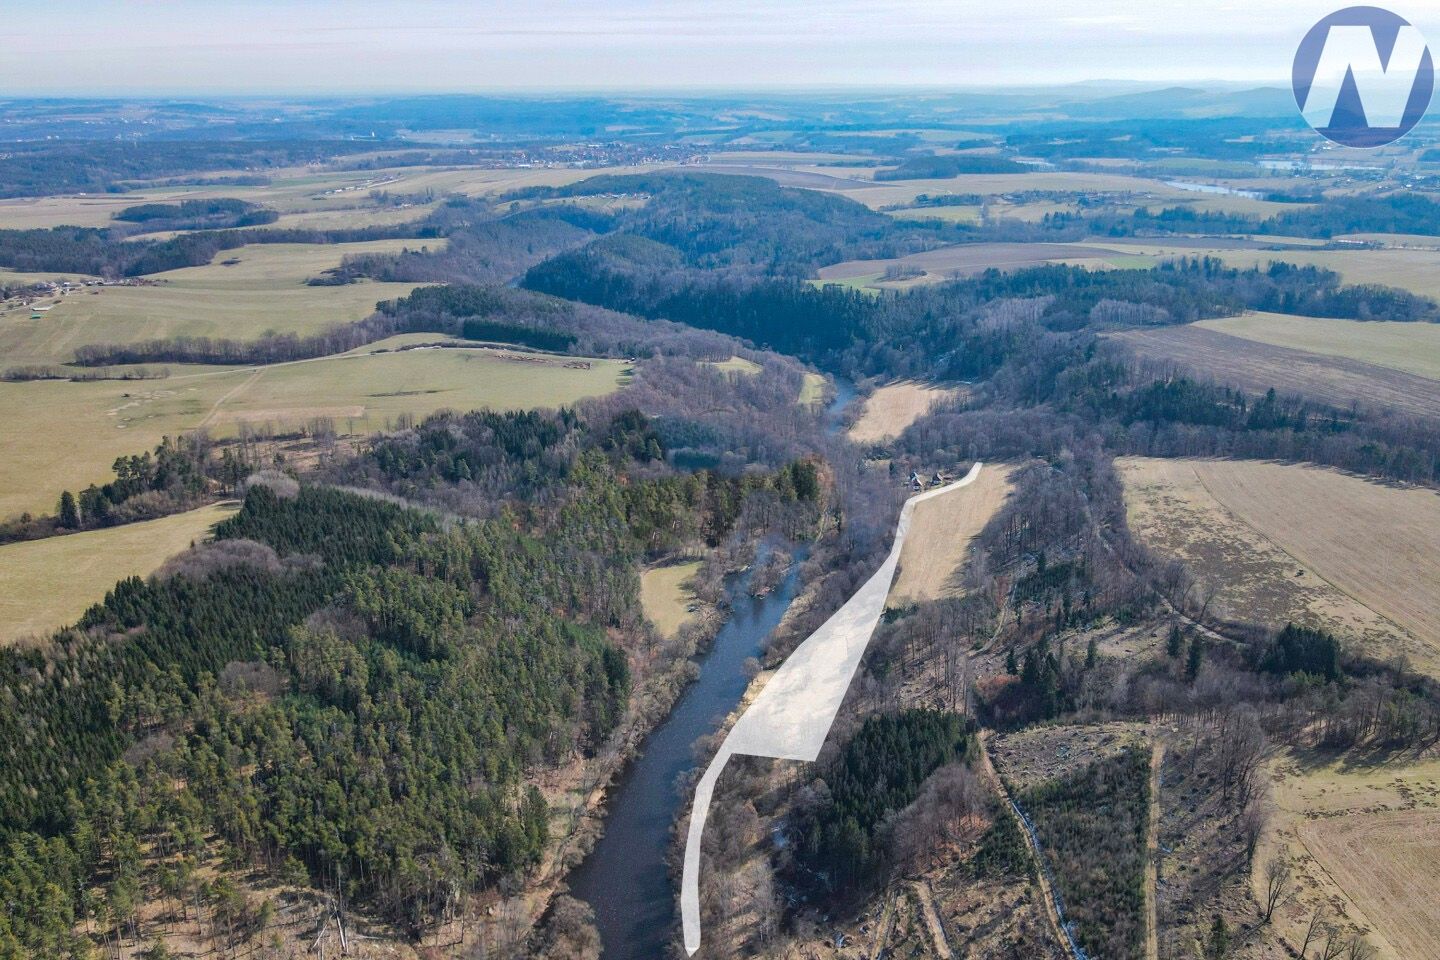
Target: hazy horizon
[(309, 48)]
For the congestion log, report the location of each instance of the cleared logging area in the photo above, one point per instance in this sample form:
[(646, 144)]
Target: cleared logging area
[(1281, 542), (1337, 380), (893, 407), (938, 546), (47, 584)]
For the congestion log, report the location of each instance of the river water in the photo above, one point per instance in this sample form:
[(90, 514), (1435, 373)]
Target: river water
[(625, 878)]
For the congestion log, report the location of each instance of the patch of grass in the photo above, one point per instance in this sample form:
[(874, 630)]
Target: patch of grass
[(666, 597), (737, 365), (893, 407), (812, 390), (47, 584)]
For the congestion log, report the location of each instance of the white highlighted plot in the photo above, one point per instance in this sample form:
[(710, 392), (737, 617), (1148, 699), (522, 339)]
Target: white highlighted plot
[(792, 716)]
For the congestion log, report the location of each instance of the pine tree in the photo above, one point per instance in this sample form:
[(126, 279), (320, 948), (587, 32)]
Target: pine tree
[(69, 513), (1197, 656), (1175, 644)]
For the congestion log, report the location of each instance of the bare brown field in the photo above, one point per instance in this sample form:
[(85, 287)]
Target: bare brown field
[(1364, 838), (941, 531), (1409, 347), (1382, 861), (893, 407), (1280, 543), (1248, 364)]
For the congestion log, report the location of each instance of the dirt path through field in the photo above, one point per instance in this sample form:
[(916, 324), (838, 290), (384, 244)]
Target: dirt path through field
[(882, 929), (932, 920), (1152, 849)]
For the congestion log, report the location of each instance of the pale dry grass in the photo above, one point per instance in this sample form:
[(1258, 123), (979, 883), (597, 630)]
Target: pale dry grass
[(812, 390), (1383, 861), (1298, 543), (666, 597), (968, 259), (938, 545), (1364, 837), (47, 584), (1257, 367), (893, 407)]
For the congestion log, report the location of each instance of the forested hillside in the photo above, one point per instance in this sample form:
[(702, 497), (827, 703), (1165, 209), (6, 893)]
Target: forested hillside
[(341, 689)]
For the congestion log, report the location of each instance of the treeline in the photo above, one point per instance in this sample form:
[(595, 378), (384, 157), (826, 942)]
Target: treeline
[(949, 165), (1398, 212), (942, 332), (104, 253), (106, 166), (211, 214), (178, 475)]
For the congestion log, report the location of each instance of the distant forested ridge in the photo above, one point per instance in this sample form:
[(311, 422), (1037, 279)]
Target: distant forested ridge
[(90, 166)]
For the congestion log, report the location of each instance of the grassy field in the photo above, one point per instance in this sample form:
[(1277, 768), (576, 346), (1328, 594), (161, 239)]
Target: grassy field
[(1411, 347), (956, 214), (737, 365), (1282, 543), (59, 434), (666, 597), (967, 259), (48, 584), (893, 407), (812, 390), (938, 545), (262, 289), (1256, 366), (1364, 836)]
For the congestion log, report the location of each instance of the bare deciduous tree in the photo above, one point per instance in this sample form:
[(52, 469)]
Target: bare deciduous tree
[(1279, 886)]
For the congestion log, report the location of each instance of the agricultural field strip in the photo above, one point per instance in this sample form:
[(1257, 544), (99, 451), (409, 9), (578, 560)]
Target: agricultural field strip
[(1257, 367), (1408, 347)]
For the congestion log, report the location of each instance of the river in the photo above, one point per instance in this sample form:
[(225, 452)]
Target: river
[(625, 878)]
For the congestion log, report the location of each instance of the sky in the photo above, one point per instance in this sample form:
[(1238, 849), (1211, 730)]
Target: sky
[(193, 47)]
